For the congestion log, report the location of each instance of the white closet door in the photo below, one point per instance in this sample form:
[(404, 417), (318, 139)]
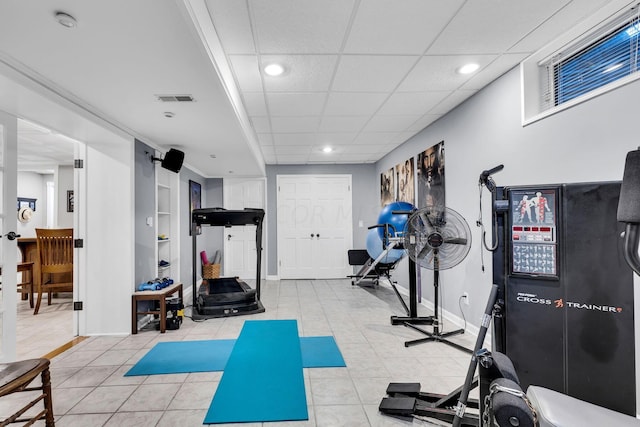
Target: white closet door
[(240, 255), (314, 226)]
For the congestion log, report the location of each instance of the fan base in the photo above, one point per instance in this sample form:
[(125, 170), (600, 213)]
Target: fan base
[(401, 320), (437, 336)]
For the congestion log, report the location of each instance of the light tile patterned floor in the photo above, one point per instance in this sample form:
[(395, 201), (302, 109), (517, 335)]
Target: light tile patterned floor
[(51, 328), (90, 389)]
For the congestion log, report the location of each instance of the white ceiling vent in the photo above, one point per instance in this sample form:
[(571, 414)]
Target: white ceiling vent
[(175, 98)]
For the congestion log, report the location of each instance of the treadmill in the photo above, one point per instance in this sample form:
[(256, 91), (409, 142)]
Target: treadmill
[(226, 296)]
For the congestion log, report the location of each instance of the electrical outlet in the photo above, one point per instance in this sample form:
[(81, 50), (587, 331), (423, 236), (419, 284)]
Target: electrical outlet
[(465, 298)]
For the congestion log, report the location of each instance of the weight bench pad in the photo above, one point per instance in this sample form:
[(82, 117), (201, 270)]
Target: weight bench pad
[(559, 410)]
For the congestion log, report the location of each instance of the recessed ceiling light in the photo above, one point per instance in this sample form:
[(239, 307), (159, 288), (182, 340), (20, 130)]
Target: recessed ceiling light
[(327, 149), (213, 156), (468, 68), (274, 70), (169, 114), (66, 20)]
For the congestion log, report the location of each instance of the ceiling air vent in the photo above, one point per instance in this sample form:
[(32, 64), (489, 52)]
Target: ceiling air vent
[(175, 98)]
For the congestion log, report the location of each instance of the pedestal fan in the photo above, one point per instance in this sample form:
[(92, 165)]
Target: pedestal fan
[(436, 238)]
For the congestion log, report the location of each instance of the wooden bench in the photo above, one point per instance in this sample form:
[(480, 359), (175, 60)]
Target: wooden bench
[(159, 296)]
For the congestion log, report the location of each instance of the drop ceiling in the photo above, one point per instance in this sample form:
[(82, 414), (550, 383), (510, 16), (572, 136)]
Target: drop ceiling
[(361, 76)]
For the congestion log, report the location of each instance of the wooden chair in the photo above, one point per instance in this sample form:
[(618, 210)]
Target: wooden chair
[(16, 377), (25, 287), (55, 255)]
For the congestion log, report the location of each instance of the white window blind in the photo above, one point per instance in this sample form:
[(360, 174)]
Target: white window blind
[(600, 59)]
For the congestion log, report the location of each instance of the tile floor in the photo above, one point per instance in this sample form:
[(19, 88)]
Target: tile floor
[(51, 328), (90, 389)]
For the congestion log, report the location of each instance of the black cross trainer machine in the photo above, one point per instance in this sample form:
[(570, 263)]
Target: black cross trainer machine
[(226, 296)]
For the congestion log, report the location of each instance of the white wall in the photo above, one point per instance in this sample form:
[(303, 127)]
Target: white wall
[(109, 239), (586, 143), (33, 186), (64, 183)]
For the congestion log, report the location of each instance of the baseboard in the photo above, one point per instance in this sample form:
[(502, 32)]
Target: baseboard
[(448, 316)]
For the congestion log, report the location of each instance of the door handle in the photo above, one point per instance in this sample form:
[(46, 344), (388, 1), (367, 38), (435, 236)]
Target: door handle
[(228, 236), (318, 235), (312, 235), (12, 235)]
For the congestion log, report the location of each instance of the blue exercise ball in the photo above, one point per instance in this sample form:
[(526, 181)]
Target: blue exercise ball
[(397, 221), (374, 248)]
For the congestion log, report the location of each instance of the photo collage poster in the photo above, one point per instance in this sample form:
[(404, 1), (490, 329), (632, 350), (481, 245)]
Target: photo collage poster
[(431, 190), (387, 187), (405, 182), (399, 182)]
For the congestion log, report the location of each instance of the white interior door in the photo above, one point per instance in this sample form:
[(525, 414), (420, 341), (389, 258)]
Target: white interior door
[(314, 226), (8, 244), (240, 255)]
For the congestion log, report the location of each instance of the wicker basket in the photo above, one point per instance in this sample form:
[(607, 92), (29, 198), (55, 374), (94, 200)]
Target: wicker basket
[(211, 271)]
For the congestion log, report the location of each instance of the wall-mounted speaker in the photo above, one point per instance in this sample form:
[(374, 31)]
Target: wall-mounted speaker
[(172, 160)]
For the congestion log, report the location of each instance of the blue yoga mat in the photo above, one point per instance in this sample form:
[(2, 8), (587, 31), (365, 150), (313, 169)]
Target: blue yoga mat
[(262, 380), (184, 356), (179, 357), (320, 352)]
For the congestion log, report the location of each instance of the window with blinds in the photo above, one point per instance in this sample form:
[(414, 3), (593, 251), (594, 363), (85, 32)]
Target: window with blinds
[(601, 59)]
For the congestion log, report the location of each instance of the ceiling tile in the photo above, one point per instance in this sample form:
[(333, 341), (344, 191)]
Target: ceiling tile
[(268, 151), (292, 159), (292, 149), (343, 123), (380, 123), (307, 73), (452, 101), (558, 24), (491, 27), (245, 69), (300, 26), (295, 104), (369, 73), (364, 149), (261, 124), (231, 20), (254, 103), (402, 137), (398, 27), (412, 103), (294, 138), (423, 122), (354, 103), (265, 139), (270, 159), (374, 138), (336, 138), (439, 72), (294, 124), (501, 65)]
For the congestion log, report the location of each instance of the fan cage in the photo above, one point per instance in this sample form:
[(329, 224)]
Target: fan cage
[(437, 238)]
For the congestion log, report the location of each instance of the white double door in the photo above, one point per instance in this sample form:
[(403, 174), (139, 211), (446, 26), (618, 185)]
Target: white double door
[(315, 227)]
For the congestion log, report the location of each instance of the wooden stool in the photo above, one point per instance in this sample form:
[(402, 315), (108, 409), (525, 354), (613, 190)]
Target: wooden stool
[(15, 378), (25, 287)]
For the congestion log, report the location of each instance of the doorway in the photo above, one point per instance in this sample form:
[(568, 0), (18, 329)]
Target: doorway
[(46, 175), (315, 226)]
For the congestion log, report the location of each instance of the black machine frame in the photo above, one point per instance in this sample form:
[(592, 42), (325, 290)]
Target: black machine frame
[(228, 218), (582, 343)]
